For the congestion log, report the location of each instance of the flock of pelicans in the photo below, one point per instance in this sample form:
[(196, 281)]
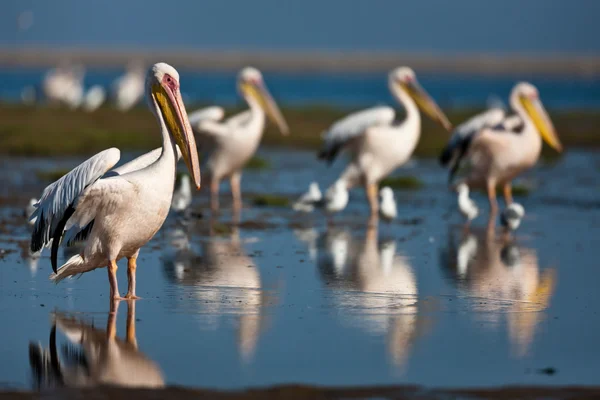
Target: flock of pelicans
[(116, 211)]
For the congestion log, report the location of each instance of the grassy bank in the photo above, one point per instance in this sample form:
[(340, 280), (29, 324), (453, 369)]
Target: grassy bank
[(46, 131)]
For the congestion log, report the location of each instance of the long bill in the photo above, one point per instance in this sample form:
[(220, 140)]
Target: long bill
[(426, 103), (541, 120), (175, 116), (260, 92)]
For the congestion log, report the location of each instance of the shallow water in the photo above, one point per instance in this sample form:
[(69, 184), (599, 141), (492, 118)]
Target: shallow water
[(287, 298)]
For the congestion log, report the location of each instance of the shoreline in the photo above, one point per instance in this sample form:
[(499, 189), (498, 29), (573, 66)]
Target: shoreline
[(314, 61)]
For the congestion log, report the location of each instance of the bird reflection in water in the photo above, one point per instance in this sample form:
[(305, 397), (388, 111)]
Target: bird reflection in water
[(374, 287), (500, 278), (222, 281), (93, 356)]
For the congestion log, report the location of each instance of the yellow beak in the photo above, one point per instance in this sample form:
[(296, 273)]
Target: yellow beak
[(260, 92), (176, 119), (542, 122), (426, 103)]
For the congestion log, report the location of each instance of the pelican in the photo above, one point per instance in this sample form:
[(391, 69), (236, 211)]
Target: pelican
[(128, 89), (182, 197), (377, 142), (511, 217), (466, 205), (388, 209), (495, 156), (64, 85), (234, 141), (94, 98), (116, 213), (308, 201)]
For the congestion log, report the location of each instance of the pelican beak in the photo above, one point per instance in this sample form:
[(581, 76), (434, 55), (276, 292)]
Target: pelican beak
[(168, 98), (259, 91), (426, 103), (533, 106)]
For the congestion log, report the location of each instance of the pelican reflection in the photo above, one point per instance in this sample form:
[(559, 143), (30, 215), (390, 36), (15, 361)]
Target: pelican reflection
[(374, 287), (222, 281), (93, 356), (500, 278)]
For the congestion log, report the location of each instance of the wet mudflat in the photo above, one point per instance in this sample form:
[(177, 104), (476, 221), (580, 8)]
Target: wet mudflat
[(287, 298)]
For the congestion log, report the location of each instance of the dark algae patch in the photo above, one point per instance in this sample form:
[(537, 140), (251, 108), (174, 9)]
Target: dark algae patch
[(270, 200), (402, 183)]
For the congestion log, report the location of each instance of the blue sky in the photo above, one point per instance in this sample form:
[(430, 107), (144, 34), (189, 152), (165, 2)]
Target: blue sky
[(447, 26)]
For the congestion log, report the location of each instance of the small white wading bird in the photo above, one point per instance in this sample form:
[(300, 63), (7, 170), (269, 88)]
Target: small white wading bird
[(232, 142), (182, 197), (512, 215), (495, 156), (310, 199), (116, 213), (388, 209), (466, 205), (336, 198), (378, 144)]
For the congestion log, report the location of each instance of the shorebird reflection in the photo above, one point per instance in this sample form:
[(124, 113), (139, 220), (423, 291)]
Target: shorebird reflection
[(500, 277), (93, 356), (373, 286), (223, 280)]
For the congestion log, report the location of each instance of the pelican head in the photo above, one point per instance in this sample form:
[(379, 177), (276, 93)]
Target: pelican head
[(162, 92), (251, 85), (404, 79), (526, 95)]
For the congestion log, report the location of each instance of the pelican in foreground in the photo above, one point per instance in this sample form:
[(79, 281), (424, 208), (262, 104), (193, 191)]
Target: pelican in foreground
[(495, 156), (232, 142), (115, 213), (379, 144)]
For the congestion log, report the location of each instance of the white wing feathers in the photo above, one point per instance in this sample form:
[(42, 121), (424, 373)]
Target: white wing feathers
[(140, 162), (206, 119), (352, 126), (60, 195)]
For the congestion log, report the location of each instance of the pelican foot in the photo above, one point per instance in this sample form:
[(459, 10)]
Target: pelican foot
[(130, 296), (118, 298)]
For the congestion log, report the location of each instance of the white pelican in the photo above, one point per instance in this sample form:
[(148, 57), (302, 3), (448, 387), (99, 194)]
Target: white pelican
[(118, 213), (234, 141), (94, 98), (94, 356), (495, 156), (128, 89), (64, 85), (379, 144), (466, 205), (182, 197), (336, 197), (308, 201), (388, 209), (512, 215)]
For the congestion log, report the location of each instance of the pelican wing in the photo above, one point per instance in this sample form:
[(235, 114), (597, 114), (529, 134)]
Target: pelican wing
[(354, 125), (464, 132), (213, 113), (59, 196)]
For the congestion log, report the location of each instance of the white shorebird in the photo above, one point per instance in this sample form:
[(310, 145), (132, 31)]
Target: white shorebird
[(336, 197), (512, 215), (231, 143), (117, 212), (466, 205), (310, 199), (378, 144), (388, 209), (495, 156), (182, 197)]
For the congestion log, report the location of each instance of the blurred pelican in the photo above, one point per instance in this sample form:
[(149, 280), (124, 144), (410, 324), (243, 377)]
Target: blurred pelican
[(373, 287), (466, 205), (64, 85), (94, 357), (116, 213), (307, 202), (128, 89), (182, 197), (512, 215), (500, 278), (388, 209), (223, 270), (495, 156), (94, 98), (378, 144), (232, 142)]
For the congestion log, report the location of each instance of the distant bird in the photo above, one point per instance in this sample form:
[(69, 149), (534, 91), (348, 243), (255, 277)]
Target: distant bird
[(64, 85), (388, 209), (116, 212), (182, 196), (232, 142), (336, 197), (128, 89), (512, 215), (30, 209), (309, 200), (466, 205), (94, 98), (378, 143), (495, 156)]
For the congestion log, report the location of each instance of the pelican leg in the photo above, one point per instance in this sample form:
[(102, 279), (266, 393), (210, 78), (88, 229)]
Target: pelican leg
[(111, 324), (131, 337), (112, 279), (491, 189), (508, 199), (372, 194), (214, 195), (131, 269), (235, 182)]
